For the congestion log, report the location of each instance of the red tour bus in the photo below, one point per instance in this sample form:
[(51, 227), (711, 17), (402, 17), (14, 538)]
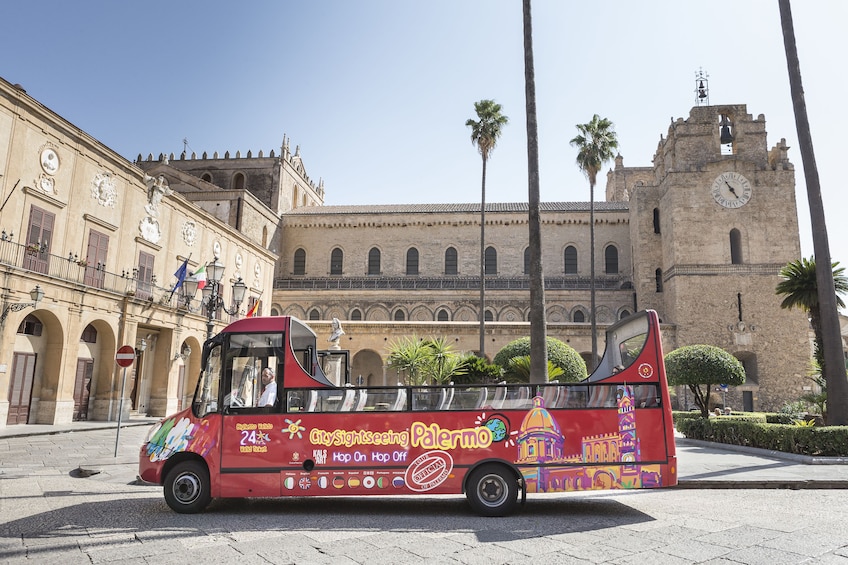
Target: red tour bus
[(492, 442)]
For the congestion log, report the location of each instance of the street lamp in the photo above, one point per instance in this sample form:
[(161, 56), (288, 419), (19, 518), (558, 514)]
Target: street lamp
[(36, 294), (212, 293)]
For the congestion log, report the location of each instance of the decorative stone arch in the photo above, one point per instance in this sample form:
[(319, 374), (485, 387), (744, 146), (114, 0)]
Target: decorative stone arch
[(557, 314), (577, 312), (239, 180), (510, 314), (48, 405), (399, 314), (465, 314), (295, 310), (378, 313), (335, 312), (604, 315), (276, 309), (622, 313), (421, 313), (103, 376), (443, 314), (192, 369), (369, 364)]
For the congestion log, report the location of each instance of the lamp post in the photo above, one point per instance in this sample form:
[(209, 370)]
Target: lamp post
[(36, 294), (212, 293)]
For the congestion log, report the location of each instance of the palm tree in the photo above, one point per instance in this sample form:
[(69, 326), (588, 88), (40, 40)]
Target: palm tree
[(539, 369), (799, 289), (595, 145), (834, 369), (484, 134)]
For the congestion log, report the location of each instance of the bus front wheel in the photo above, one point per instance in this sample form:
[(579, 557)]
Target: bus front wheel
[(492, 490), (187, 488)]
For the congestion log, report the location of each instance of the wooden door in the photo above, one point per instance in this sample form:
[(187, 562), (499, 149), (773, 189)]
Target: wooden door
[(20, 388), (82, 388)]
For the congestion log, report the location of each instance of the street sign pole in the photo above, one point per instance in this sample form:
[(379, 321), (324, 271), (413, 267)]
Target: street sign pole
[(124, 358)]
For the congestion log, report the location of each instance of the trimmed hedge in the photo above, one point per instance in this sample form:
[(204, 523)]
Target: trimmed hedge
[(830, 441)]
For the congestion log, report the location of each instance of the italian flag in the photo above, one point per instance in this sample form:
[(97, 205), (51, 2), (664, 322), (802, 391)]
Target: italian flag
[(200, 275)]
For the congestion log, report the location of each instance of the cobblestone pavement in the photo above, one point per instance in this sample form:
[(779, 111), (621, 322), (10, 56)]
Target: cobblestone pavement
[(49, 514)]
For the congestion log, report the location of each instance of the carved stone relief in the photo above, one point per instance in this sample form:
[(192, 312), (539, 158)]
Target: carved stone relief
[(103, 189)]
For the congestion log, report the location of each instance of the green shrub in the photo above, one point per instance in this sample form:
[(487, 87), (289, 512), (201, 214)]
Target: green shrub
[(559, 353), (829, 441)]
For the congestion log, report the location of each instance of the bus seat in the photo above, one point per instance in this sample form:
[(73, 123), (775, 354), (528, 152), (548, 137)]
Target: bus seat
[(447, 398), (347, 402), (363, 398), (400, 401), (313, 401), (500, 396)]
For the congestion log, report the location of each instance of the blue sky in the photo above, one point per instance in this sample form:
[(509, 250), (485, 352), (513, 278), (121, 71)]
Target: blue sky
[(376, 92)]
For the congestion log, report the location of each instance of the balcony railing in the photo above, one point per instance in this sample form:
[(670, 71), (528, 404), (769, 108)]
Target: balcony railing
[(74, 271), (606, 282)]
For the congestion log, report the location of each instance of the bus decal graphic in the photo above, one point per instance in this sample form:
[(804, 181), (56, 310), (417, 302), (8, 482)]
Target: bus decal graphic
[(500, 428), (435, 437), (428, 471), (351, 438), (179, 434), (646, 371), (547, 468), (294, 429)]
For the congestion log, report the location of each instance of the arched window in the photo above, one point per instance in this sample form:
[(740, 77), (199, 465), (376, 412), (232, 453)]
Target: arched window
[(300, 261), (336, 261), (526, 260), (356, 314), (659, 277), (274, 311), (624, 314), (206, 176), (570, 260), (89, 334), (578, 317), (491, 261), (735, 247), (656, 220), (443, 315), (238, 181), (412, 261), (489, 316), (314, 314), (451, 261), (399, 315), (611, 260), (374, 261)]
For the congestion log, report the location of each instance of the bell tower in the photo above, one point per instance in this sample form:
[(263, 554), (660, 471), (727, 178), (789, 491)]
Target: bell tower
[(713, 232)]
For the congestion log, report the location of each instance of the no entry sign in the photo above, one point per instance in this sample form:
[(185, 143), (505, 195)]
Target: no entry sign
[(125, 356)]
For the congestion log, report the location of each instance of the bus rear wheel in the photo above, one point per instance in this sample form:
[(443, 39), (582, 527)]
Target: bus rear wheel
[(187, 488), (492, 490)]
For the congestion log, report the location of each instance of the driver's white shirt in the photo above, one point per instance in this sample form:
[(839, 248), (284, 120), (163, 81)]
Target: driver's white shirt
[(269, 395)]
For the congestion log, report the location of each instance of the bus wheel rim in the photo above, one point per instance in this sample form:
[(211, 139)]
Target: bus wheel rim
[(187, 488), (492, 490)]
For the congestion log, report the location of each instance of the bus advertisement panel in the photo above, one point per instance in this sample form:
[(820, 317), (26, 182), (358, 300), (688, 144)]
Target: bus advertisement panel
[(489, 441)]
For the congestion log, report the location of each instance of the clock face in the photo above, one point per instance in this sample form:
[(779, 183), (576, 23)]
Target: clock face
[(731, 190)]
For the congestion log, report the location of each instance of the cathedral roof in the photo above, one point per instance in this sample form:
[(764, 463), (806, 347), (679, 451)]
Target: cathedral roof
[(447, 208), (539, 419)]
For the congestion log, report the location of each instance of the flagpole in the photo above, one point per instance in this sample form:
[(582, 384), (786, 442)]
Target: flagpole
[(184, 269)]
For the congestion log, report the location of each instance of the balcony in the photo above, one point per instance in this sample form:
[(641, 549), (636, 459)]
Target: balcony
[(606, 282)]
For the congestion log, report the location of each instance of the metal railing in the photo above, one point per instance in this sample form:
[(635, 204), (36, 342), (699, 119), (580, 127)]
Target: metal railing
[(71, 269), (606, 282)]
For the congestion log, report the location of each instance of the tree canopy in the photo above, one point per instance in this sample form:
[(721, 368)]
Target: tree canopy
[(701, 368), (560, 355)]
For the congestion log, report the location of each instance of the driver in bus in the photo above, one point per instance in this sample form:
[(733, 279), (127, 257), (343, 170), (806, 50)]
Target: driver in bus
[(269, 392)]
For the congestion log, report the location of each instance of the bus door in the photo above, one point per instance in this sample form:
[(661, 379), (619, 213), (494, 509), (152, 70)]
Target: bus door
[(251, 406)]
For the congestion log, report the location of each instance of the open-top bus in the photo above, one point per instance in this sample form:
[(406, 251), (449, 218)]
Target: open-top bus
[(492, 442)]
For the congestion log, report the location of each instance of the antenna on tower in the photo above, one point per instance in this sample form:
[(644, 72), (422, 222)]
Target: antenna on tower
[(702, 88)]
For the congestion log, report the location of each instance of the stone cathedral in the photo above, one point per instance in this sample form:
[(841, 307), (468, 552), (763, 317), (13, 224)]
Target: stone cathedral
[(699, 235)]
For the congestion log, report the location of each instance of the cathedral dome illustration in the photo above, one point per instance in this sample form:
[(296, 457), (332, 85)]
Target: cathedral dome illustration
[(538, 418)]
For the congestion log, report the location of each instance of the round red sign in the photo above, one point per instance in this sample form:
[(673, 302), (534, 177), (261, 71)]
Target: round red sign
[(125, 356)]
